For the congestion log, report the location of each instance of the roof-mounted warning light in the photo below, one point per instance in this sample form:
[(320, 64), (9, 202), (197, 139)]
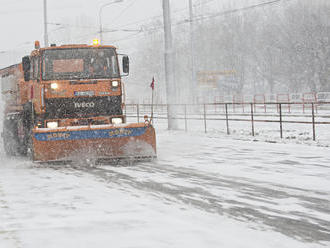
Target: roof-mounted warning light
[(36, 44), (96, 42)]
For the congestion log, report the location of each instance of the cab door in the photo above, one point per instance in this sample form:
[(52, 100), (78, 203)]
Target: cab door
[(35, 87)]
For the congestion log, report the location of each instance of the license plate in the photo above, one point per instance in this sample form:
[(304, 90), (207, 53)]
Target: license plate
[(84, 93)]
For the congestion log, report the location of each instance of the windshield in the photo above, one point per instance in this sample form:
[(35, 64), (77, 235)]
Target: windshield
[(79, 63)]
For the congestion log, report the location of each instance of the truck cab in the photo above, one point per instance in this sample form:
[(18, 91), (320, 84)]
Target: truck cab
[(74, 85)]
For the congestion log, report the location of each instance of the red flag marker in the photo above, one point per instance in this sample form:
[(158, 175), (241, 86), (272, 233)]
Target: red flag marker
[(152, 85)]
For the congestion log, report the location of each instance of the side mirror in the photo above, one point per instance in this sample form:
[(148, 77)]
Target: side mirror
[(126, 64), (26, 63)]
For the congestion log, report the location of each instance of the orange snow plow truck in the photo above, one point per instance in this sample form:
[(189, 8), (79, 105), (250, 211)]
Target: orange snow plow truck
[(64, 103)]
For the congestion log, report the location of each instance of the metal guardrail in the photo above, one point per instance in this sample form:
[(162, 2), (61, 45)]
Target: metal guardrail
[(209, 112)]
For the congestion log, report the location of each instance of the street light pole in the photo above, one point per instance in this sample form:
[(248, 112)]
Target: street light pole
[(171, 91), (45, 24), (100, 17), (192, 52)]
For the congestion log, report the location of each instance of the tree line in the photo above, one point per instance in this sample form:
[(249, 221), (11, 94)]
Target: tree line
[(283, 48)]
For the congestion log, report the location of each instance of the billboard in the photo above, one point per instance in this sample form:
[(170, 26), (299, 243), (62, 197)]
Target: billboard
[(215, 79)]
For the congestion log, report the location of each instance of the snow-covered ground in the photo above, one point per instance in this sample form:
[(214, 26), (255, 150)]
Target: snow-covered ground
[(204, 190)]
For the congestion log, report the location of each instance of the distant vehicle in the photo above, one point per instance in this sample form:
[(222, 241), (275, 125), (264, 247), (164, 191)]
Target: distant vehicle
[(65, 102)]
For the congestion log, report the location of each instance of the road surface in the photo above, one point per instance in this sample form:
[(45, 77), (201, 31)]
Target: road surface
[(202, 191)]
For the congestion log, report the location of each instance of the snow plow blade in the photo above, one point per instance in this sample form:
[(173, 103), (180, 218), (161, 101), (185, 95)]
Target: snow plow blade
[(129, 141)]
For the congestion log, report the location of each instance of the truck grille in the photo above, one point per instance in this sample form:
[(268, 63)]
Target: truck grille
[(82, 107)]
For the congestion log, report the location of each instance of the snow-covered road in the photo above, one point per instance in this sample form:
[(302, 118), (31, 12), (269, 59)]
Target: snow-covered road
[(202, 191)]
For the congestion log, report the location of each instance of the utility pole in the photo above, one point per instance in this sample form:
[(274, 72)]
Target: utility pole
[(171, 91), (193, 84), (45, 24), (100, 17)]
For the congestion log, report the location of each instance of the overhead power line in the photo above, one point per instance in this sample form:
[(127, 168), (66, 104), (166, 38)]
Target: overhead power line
[(120, 28), (223, 13), (196, 19), (161, 15), (215, 15), (124, 10)]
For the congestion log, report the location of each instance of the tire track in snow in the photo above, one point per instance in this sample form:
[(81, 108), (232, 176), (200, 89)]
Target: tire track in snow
[(249, 206)]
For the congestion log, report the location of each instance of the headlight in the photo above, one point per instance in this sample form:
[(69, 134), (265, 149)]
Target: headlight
[(52, 124), (115, 83), (117, 121), (54, 86)]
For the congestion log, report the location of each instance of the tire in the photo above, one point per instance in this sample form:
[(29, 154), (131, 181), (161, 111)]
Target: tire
[(28, 123), (30, 149), (21, 137), (27, 116)]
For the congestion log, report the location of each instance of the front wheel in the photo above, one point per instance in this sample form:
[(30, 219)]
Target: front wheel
[(30, 149)]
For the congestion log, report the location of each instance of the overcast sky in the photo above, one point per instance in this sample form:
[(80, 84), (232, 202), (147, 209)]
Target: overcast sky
[(21, 21)]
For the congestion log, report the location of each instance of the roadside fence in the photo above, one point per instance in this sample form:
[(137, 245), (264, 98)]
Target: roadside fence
[(292, 102), (211, 114)]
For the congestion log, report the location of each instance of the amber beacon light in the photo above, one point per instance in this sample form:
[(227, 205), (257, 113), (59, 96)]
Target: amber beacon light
[(96, 42)]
